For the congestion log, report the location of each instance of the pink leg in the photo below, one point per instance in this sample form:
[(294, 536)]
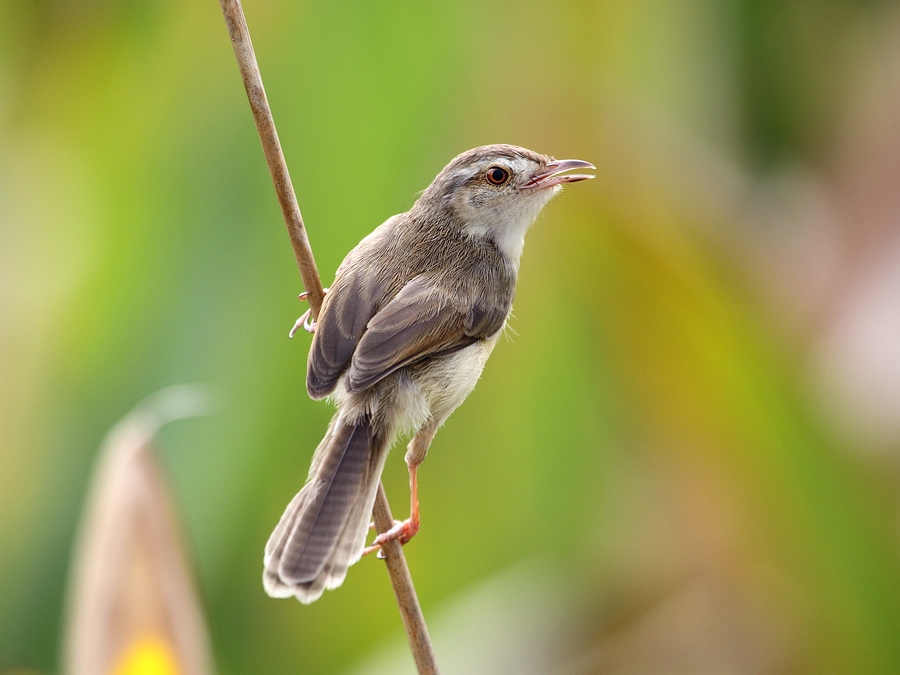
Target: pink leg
[(406, 529)]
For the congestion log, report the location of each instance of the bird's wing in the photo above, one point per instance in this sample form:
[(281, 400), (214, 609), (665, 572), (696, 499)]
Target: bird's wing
[(421, 321), (348, 307)]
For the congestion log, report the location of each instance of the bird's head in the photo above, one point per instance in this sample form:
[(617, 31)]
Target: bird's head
[(497, 191)]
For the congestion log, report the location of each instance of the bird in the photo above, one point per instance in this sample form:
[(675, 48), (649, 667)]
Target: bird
[(400, 341)]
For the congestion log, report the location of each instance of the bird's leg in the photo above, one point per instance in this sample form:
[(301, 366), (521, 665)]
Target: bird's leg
[(305, 319), (406, 529), (403, 530)]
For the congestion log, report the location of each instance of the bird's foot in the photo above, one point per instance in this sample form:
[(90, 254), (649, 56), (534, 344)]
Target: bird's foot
[(403, 531), (305, 321)]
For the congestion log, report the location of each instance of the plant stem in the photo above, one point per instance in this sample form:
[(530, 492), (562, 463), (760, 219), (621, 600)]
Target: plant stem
[(265, 125), (407, 600)]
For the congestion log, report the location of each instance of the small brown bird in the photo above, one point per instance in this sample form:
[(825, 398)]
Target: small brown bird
[(402, 337)]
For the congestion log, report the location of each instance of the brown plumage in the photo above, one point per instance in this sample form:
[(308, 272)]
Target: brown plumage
[(401, 339)]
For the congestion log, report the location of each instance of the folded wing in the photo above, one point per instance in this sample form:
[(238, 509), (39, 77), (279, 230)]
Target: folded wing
[(423, 320)]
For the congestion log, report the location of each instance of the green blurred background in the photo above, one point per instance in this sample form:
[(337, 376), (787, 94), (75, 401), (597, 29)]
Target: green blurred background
[(685, 459)]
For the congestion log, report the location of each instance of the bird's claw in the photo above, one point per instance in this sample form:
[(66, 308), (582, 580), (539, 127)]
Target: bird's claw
[(305, 321), (403, 531)]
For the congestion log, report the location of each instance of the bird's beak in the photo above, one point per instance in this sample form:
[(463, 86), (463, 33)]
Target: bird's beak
[(553, 174)]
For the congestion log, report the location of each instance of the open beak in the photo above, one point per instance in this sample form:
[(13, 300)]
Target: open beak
[(554, 174)]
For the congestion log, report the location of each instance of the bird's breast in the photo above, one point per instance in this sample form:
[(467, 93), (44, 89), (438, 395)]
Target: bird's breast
[(437, 387)]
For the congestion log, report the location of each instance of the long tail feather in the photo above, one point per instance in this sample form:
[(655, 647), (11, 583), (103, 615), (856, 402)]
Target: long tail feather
[(323, 529)]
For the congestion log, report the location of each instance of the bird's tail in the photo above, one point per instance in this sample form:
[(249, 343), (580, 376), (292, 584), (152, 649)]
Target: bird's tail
[(323, 530)]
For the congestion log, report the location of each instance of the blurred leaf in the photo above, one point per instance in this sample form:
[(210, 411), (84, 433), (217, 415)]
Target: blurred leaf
[(133, 608)]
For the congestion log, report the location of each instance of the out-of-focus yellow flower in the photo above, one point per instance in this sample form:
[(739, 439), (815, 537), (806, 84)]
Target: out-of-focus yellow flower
[(149, 655)]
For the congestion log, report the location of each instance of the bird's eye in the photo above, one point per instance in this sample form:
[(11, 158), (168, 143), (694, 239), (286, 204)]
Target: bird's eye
[(496, 175)]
